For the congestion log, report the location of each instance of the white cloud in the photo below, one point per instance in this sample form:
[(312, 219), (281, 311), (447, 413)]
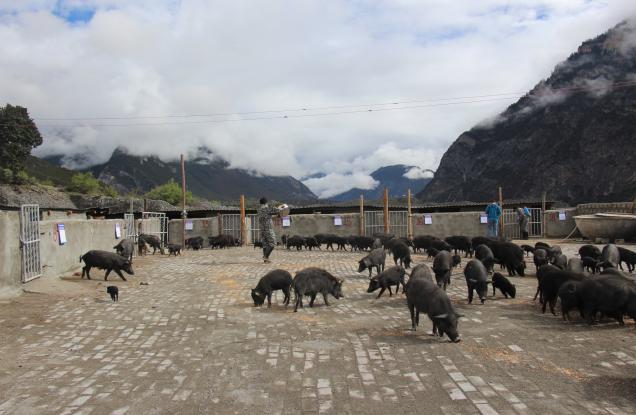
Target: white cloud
[(336, 183), (158, 57), (418, 173)]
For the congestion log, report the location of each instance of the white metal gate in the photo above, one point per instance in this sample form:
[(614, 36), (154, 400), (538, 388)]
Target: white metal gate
[(511, 223), (252, 226), (155, 223), (231, 225), (129, 226), (398, 223), (30, 242)]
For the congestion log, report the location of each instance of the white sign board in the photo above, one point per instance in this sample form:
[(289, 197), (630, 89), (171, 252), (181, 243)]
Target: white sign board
[(337, 220), (428, 220), (61, 233), (562, 215), (483, 218), (189, 225), (117, 231), (286, 221)]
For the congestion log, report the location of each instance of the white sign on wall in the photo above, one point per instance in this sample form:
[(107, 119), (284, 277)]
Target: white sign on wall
[(428, 220), (286, 221), (61, 233), (337, 220), (562, 215), (189, 225), (117, 231), (483, 218)]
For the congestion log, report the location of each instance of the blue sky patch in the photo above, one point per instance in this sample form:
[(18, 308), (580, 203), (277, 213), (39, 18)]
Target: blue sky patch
[(74, 15)]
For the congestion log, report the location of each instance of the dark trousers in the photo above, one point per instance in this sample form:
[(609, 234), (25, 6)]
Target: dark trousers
[(267, 250)]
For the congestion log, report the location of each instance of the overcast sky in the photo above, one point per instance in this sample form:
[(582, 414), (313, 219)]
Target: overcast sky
[(118, 61)]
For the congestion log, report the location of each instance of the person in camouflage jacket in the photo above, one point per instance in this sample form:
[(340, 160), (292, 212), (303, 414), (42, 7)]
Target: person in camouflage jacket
[(266, 227)]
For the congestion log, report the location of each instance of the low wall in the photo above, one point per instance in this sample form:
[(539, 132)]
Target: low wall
[(81, 236), (10, 259), (555, 227), (311, 224), (203, 227), (447, 224)]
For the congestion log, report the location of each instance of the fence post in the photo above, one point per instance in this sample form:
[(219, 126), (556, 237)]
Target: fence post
[(184, 214), (361, 215), (243, 228), (501, 222), (543, 195), (386, 210), (219, 223), (409, 223)]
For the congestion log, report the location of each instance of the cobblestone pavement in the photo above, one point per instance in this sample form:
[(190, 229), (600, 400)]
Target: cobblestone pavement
[(191, 342)]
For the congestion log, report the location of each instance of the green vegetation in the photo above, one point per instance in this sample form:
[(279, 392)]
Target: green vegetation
[(46, 173), (18, 136), (170, 192), (87, 184)]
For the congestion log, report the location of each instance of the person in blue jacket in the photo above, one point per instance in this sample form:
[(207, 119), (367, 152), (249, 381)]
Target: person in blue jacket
[(493, 211)]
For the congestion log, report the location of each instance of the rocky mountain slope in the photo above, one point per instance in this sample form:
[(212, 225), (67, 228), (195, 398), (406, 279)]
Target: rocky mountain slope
[(573, 135), (206, 177), (391, 177)]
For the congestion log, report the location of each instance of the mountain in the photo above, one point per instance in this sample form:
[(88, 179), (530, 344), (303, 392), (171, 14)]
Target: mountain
[(573, 135), (391, 177), (206, 176), (46, 171)]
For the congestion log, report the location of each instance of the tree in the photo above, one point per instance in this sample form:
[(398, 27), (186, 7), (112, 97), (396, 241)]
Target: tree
[(170, 192), (18, 136), (85, 183)]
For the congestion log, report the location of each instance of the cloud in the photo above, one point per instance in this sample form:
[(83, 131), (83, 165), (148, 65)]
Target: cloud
[(336, 183), (416, 173), (162, 59)]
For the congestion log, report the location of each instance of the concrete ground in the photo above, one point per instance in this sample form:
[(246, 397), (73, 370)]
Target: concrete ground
[(191, 342)]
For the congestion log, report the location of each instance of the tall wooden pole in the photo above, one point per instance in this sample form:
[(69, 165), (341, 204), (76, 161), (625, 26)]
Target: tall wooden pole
[(183, 202), (409, 224), (386, 210), (543, 214), (243, 228), (501, 219), (361, 215)]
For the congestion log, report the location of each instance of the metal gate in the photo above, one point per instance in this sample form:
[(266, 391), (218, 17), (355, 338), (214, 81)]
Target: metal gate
[(129, 227), (398, 223), (511, 223), (155, 223), (30, 242), (231, 225), (252, 226)]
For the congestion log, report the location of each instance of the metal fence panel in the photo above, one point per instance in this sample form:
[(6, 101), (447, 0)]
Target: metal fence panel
[(398, 223), (129, 227), (155, 223), (253, 229), (511, 223), (30, 242), (231, 225)]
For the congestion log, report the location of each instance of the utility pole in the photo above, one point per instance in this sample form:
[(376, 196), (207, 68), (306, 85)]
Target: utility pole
[(409, 228), (243, 228), (501, 221), (361, 214), (386, 210), (184, 214)]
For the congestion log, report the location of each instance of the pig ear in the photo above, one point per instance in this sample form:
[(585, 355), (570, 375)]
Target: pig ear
[(472, 280), (440, 316)]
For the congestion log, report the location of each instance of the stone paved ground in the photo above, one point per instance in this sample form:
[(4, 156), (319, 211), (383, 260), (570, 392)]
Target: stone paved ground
[(191, 342)]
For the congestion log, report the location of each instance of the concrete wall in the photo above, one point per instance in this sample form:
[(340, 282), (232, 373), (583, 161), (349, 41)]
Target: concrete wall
[(447, 224), (81, 235), (556, 228), (203, 227), (10, 259), (311, 224)]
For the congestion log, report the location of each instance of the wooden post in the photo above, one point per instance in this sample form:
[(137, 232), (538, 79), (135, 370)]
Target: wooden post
[(243, 227), (501, 218), (409, 224), (183, 203), (386, 210), (543, 214), (361, 215)]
